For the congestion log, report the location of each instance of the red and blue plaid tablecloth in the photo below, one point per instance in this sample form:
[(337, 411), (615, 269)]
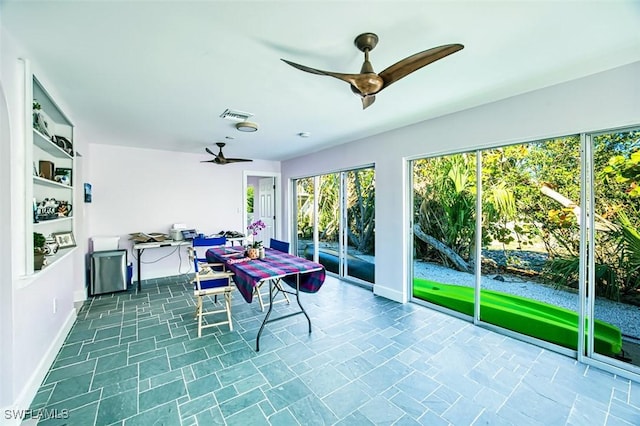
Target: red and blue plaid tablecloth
[(248, 272)]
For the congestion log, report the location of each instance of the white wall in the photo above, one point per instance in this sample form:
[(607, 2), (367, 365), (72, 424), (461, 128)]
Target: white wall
[(601, 101), (6, 305), (143, 190), (32, 330)]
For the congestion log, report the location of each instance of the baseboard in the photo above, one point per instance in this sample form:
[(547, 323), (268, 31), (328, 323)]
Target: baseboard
[(31, 387), (79, 296), (386, 292)]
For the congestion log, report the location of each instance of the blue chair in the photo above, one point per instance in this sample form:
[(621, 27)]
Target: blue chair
[(210, 280), (205, 243), (282, 246)]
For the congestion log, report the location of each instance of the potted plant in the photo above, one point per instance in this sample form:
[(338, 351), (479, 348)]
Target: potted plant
[(38, 251), (255, 249)]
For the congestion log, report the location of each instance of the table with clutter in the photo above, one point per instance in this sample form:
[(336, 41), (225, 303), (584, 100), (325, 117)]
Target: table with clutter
[(299, 274)]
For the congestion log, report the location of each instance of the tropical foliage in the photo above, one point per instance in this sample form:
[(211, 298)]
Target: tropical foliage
[(360, 208), (531, 200)]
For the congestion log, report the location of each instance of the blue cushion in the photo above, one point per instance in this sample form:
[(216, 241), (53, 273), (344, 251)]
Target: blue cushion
[(207, 284)]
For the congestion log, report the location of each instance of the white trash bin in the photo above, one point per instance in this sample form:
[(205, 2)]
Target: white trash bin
[(104, 243)]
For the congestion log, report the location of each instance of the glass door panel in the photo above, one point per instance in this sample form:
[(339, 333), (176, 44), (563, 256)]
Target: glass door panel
[(360, 224), (444, 211), (531, 239), (305, 217), (329, 222), (616, 267)]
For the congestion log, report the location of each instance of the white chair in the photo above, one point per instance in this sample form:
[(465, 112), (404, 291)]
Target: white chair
[(211, 280)]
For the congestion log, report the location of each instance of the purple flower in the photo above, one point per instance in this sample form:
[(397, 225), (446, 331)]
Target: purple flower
[(255, 228)]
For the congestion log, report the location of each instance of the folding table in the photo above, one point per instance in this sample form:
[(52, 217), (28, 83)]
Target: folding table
[(300, 274)]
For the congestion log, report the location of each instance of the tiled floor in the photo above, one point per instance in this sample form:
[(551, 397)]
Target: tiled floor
[(135, 360)]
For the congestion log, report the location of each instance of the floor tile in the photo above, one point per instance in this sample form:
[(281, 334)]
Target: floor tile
[(135, 359), (117, 408)]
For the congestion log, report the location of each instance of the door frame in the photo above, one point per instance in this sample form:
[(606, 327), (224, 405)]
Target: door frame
[(277, 223), (343, 224)]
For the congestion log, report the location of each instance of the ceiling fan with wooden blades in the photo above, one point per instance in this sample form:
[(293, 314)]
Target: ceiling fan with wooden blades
[(219, 158), (367, 84)]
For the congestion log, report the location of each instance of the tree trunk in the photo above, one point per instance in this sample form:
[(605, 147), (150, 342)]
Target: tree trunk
[(454, 257)]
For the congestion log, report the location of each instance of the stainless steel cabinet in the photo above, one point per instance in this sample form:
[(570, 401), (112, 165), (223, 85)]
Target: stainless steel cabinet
[(108, 271)]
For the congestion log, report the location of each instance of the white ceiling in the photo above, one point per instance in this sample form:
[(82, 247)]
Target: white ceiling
[(158, 74)]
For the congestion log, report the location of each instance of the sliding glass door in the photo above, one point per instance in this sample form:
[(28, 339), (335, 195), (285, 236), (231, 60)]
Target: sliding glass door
[(550, 250), (335, 222), (531, 239), (615, 268)]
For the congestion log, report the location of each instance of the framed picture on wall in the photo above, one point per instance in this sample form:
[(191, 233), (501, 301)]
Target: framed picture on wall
[(87, 192), (64, 239)]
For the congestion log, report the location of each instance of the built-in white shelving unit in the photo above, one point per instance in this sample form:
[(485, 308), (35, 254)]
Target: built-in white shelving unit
[(50, 169)]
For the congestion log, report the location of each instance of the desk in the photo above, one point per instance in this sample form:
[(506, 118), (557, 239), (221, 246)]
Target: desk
[(300, 274), (141, 247)]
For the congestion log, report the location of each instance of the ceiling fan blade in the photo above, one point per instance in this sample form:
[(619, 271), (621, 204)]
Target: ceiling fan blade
[(414, 62), (367, 101), (208, 161), (305, 68), (211, 152), (237, 160), (349, 78)]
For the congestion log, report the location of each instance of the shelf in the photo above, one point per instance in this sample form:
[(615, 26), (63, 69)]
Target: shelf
[(50, 183), (42, 142), (46, 222), (27, 280)]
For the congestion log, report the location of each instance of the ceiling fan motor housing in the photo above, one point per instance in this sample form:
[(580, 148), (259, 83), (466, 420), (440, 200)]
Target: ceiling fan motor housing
[(366, 41)]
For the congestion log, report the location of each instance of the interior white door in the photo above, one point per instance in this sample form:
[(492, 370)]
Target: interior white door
[(267, 208)]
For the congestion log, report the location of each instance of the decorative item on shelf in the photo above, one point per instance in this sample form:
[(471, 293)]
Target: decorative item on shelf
[(38, 251), (35, 211), (62, 179), (46, 169), (36, 172), (64, 144), (63, 175), (50, 246), (64, 209), (47, 209), (42, 123), (64, 239), (87, 193)]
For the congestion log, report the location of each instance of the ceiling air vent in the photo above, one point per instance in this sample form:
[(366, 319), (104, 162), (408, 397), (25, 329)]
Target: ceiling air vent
[(231, 114)]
